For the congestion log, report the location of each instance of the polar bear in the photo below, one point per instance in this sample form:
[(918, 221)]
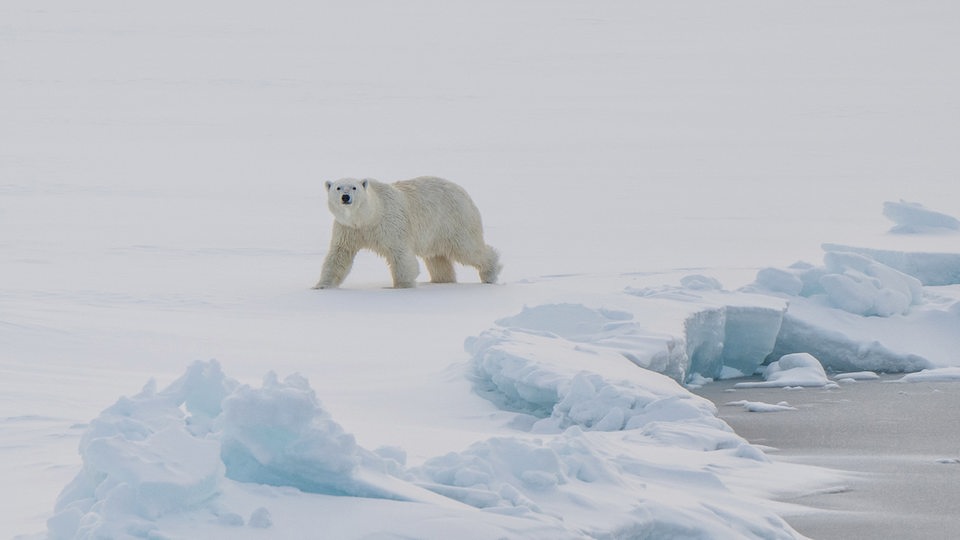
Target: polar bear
[(427, 217)]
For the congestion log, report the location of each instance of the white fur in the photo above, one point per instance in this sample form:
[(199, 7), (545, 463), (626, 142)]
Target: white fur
[(427, 217)]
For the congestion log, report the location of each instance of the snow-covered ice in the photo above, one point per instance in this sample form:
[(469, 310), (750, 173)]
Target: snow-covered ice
[(933, 375), (854, 376), (184, 453), (849, 281), (792, 370), (931, 268), (725, 334), (762, 407), (565, 384), (649, 173), (855, 313), (914, 218)]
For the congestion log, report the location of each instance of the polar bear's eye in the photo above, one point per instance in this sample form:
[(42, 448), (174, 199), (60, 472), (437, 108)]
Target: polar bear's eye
[(339, 188), (354, 188)]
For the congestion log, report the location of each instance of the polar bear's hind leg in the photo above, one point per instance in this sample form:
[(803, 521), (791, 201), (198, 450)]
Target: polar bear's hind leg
[(487, 263), (441, 269)]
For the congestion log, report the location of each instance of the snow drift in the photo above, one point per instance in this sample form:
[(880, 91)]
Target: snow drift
[(852, 313), (562, 384), (144, 458), (223, 457)]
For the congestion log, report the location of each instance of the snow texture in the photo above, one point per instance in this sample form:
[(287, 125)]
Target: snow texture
[(865, 287), (157, 460), (144, 458), (279, 435), (564, 384), (709, 333), (849, 281), (645, 495)]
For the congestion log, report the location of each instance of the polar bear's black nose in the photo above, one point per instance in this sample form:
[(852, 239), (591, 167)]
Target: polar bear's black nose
[(345, 198)]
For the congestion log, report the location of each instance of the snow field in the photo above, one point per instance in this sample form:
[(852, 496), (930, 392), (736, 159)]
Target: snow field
[(592, 399), (160, 202)]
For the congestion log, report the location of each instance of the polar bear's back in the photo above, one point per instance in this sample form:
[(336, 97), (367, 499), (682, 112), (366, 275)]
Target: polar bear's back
[(442, 217)]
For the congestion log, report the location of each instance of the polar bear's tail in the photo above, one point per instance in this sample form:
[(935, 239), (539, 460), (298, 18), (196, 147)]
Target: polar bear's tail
[(489, 265)]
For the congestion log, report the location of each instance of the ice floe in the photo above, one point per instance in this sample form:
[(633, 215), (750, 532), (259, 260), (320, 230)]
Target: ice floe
[(792, 370), (914, 218), (931, 268), (761, 407), (947, 374)]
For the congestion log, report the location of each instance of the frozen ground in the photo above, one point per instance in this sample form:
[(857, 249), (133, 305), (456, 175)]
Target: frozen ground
[(161, 203)]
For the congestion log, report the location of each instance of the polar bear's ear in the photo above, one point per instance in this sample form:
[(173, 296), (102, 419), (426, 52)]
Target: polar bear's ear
[(329, 184), (364, 183)]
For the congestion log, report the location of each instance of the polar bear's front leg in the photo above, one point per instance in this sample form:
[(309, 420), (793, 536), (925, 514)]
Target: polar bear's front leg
[(404, 269), (336, 267)]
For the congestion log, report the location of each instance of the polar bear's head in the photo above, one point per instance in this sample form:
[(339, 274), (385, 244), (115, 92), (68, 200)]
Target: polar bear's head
[(348, 199)]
